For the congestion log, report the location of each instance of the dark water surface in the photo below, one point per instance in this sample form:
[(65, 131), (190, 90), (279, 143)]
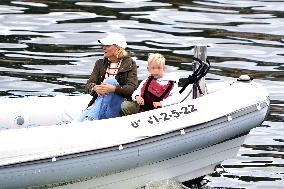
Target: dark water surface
[(49, 48)]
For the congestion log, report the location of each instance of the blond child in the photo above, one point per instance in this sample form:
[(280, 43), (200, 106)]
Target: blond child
[(158, 90)]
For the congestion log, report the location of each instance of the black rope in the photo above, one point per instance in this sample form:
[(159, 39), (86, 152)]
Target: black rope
[(200, 72)]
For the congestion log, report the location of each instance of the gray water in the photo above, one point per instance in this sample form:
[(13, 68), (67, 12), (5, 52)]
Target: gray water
[(49, 48)]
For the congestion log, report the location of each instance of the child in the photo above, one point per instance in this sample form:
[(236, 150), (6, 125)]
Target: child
[(158, 89)]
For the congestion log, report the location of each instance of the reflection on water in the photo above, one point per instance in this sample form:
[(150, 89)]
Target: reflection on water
[(49, 48)]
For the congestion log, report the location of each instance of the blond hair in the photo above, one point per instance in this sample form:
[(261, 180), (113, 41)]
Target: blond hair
[(121, 52), (156, 58)]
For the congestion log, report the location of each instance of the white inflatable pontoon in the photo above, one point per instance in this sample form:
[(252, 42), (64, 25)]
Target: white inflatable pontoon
[(183, 141)]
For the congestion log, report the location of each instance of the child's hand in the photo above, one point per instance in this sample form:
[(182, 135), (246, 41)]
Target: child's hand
[(157, 104), (139, 100)]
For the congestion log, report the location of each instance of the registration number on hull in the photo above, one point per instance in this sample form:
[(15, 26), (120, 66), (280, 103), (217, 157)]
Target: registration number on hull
[(166, 116)]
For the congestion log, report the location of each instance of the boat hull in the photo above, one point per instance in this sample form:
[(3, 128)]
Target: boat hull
[(181, 168), (146, 158)]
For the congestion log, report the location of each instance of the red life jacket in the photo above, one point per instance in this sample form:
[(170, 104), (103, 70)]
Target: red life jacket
[(152, 91)]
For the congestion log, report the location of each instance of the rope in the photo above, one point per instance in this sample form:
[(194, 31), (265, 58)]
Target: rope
[(200, 72)]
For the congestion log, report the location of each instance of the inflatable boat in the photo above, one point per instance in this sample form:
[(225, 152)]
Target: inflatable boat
[(185, 140)]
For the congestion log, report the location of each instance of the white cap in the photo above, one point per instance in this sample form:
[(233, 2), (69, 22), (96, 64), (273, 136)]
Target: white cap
[(114, 39)]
